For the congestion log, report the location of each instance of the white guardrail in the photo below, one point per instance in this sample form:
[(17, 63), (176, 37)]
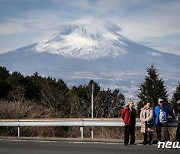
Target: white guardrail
[(81, 122)]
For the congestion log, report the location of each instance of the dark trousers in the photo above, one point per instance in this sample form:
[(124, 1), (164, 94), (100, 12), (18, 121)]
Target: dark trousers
[(147, 137), (178, 132), (129, 130), (159, 126)]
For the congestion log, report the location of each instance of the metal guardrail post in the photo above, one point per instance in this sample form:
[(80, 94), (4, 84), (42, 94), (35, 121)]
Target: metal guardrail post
[(18, 131), (92, 133), (82, 132)]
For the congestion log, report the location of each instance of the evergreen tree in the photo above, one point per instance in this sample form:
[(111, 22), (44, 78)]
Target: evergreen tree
[(51, 92), (79, 102), (16, 81), (176, 95), (96, 87), (4, 73), (80, 99), (151, 89), (108, 103), (32, 90), (4, 87)]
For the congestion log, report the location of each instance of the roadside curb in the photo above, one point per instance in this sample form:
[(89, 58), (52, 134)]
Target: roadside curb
[(75, 140)]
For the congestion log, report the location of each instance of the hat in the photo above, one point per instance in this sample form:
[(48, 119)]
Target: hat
[(160, 100)]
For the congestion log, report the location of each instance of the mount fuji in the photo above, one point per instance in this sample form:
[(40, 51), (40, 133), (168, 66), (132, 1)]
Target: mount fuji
[(79, 52)]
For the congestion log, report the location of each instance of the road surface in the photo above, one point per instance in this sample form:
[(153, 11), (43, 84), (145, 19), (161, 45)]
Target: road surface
[(55, 147)]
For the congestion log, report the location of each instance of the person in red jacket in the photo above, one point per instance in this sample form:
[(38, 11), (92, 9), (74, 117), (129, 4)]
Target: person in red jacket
[(128, 115)]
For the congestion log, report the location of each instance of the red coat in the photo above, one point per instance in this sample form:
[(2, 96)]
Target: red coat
[(125, 115)]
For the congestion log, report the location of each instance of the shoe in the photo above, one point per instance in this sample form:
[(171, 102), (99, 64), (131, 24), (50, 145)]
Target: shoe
[(144, 142), (132, 143), (125, 143), (155, 142), (149, 142)]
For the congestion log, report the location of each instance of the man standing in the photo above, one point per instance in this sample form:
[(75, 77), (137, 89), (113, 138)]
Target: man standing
[(161, 112), (177, 112), (128, 115)]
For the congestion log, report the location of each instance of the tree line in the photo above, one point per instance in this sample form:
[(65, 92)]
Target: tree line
[(48, 92), (75, 102)]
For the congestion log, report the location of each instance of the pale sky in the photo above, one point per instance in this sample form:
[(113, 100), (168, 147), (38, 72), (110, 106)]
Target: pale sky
[(154, 23)]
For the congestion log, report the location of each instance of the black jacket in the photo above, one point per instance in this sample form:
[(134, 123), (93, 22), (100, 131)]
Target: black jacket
[(177, 109)]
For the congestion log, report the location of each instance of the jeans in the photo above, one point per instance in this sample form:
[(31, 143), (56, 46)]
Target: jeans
[(129, 130), (166, 132)]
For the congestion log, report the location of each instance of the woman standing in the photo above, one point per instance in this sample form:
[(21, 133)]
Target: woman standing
[(146, 117)]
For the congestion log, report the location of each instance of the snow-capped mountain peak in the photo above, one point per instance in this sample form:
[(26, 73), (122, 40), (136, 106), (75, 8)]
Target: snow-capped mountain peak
[(85, 41)]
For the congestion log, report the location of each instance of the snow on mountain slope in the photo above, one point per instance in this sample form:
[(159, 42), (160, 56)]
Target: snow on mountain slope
[(84, 41)]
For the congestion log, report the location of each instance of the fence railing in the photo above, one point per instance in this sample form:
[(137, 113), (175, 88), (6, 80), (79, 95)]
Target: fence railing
[(80, 122)]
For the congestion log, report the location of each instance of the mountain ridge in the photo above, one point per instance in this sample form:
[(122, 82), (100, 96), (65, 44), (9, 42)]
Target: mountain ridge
[(114, 61)]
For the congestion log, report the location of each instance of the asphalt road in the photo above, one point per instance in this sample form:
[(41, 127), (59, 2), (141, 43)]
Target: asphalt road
[(49, 147)]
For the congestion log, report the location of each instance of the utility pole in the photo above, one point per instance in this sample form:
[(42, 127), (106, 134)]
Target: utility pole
[(92, 100), (92, 108)]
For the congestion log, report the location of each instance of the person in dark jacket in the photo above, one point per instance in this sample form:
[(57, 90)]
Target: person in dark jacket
[(177, 113), (128, 115), (161, 113)]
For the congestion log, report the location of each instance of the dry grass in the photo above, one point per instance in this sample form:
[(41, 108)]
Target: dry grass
[(27, 109), (24, 109)]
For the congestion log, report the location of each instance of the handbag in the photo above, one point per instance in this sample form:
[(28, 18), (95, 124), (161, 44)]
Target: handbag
[(150, 124)]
